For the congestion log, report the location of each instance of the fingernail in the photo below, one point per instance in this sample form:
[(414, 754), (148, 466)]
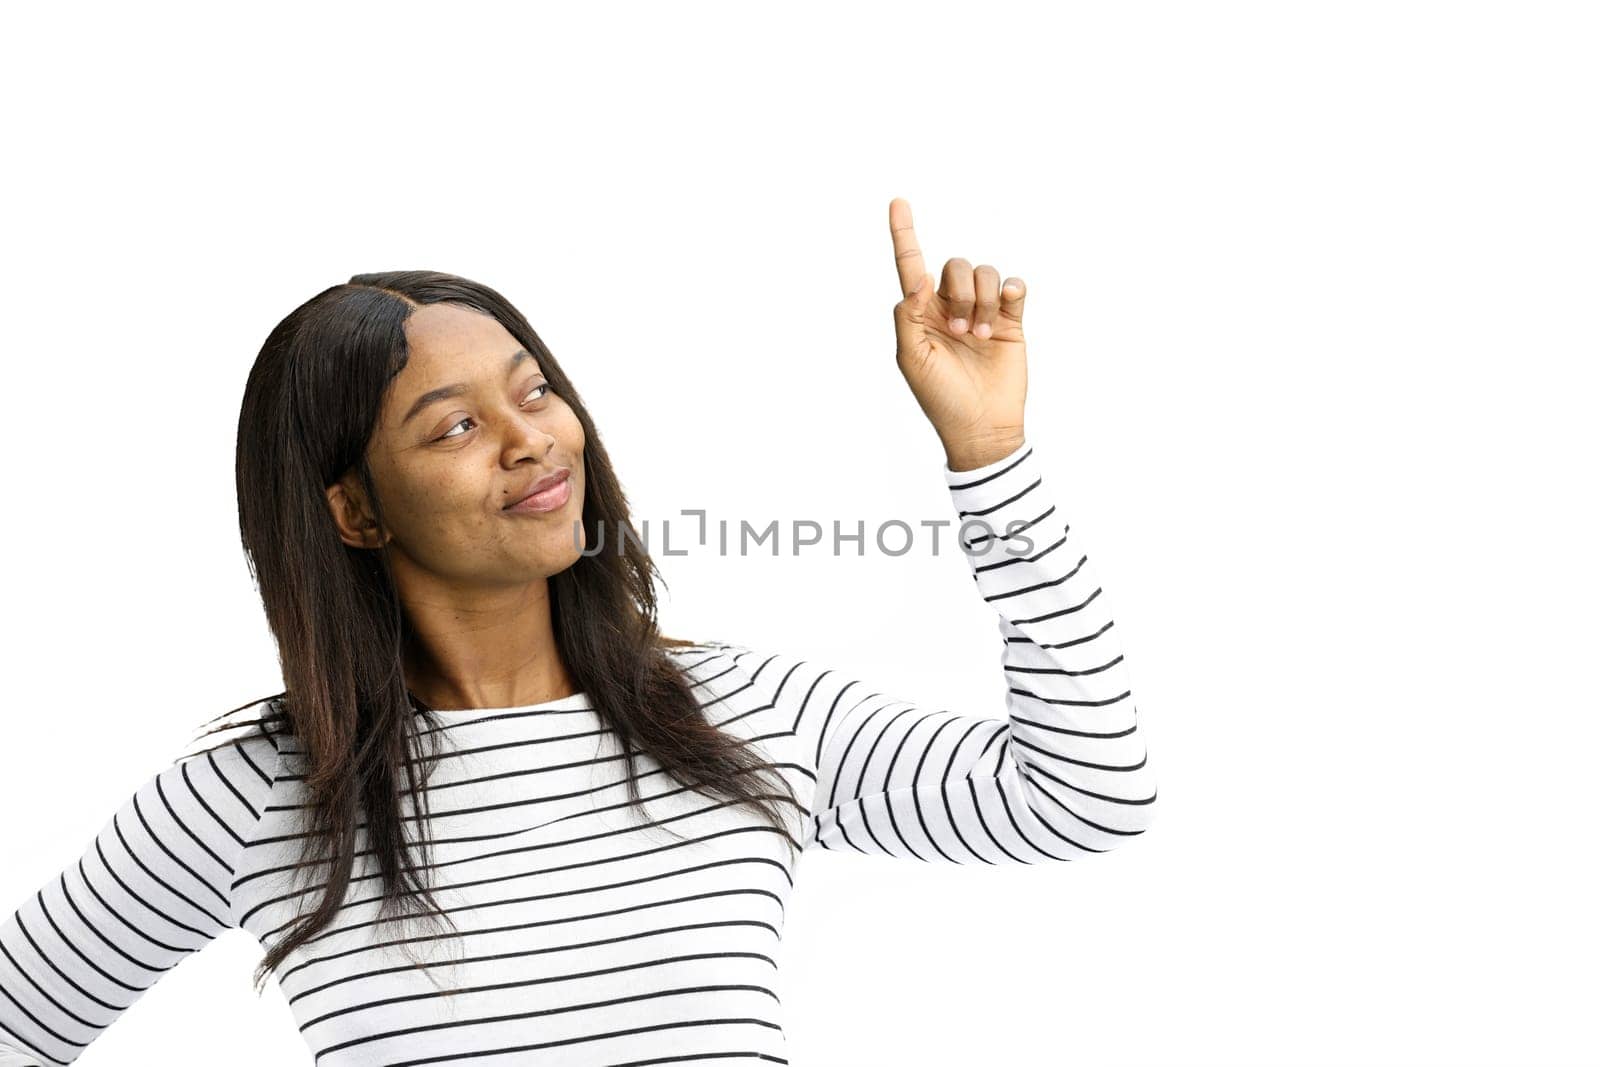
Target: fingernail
[(958, 325), (981, 330)]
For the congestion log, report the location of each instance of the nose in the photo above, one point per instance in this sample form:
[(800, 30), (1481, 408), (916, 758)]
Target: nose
[(526, 437)]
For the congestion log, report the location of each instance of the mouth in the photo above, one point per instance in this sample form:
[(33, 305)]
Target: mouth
[(547, 494)]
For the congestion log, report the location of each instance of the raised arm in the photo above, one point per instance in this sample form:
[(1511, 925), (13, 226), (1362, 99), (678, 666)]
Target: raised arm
[(153, 887), (1062, 775)]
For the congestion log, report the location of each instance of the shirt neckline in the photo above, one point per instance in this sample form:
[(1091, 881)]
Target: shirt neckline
[(572, 700)]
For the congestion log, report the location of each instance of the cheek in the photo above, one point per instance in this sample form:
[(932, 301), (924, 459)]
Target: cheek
[(570, 439), (575, 443), (439, 506), (570, 432)]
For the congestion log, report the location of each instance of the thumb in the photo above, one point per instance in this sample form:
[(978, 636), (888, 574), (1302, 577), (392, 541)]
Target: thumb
[(910, 313)]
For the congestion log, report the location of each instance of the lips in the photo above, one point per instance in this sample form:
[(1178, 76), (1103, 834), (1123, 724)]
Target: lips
[(549, 481)]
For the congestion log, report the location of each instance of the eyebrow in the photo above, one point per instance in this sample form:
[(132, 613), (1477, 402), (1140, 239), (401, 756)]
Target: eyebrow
[(444, 392)]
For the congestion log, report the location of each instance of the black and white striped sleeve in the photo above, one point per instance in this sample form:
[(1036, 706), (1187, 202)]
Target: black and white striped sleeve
[(1063, 775), (153, 887)]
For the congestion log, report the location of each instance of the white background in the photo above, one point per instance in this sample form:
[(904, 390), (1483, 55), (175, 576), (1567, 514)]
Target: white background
[(1312, 325)]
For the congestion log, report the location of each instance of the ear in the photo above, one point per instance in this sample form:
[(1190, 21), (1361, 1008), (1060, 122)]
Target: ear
[(351, 517)]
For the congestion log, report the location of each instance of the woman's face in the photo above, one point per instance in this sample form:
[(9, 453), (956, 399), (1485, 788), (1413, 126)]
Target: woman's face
[(447, 466)]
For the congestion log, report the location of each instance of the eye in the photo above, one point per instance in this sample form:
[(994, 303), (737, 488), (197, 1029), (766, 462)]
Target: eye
[(446, 436)]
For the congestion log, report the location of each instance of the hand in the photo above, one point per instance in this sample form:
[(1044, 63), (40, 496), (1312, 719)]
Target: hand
[(960, 349)]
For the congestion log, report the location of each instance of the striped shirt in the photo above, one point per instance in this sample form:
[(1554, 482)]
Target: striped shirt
[(591, 933)]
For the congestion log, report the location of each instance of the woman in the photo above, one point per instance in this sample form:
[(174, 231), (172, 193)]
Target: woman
[(594, 827)]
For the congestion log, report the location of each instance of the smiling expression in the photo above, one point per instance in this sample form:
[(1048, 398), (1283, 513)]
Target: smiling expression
[(467, 427)]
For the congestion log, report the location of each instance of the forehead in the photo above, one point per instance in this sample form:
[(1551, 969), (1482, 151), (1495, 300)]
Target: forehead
[(450, 341)]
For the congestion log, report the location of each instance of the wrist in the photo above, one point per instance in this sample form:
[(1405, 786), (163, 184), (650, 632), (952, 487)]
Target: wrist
[(973, 453)]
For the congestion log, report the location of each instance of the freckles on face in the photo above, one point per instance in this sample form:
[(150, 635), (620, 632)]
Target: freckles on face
[(446, 466), (444, 507)]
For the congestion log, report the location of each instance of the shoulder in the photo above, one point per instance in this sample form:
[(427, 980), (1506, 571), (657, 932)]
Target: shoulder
[(241, 746), (188, 824), (710, 655), (744, 664), (735, 677)]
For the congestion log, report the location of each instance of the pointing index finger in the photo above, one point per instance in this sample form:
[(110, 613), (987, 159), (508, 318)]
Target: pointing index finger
[(907, 255)]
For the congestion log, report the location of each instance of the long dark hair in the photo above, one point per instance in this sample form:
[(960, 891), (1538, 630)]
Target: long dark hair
[(310, 407)]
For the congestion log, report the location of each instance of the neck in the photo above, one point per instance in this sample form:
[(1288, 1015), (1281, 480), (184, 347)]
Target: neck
[(485, 655)]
